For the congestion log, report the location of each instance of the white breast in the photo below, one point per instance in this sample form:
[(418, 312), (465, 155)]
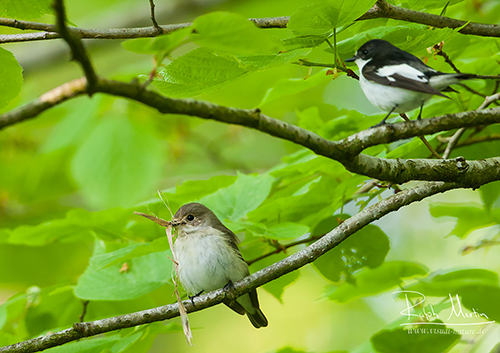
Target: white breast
[(387, 97), (207, 261)]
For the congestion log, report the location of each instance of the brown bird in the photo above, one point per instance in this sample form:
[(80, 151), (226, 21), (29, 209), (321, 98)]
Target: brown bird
[(209, 258)]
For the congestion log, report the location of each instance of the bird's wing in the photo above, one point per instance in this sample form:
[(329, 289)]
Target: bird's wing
[(401, 76)]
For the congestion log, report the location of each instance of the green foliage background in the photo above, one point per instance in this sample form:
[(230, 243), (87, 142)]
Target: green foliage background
[(71, 179)]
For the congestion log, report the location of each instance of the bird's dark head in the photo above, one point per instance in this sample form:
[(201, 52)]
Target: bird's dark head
[(371, 49)]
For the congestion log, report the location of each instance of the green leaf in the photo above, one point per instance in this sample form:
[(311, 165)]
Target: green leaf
[(411, 38), (229, 32), (145, 274), (118, 257), (126, 341), (245, 195), (165, 43), (321, 199), (191, 190), (323, 18), (469, 217), (419, 5), (99, 344), (75, 124), (267, 61), (288, 350), (482, 299), (203, 70), (12, 309), (415, 341), (78, 225), (198, 71), (302, 42), (374, 281), (25, 9), (52, 309), (351, 10), (310, 119), (118, 164), (12, 77), (3, 316), (442, 283), (286, 231), (411, 148), (366, 248), (290, 86), (317, 20), (490, 195), (276, 287)]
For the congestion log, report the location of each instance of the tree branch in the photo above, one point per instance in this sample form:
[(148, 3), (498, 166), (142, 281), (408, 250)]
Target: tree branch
[(116, 33), (153, 17), (423, 139), (454, 139), (346, 151), (382, 9), (283, 247), (478, 139), (46, 101), (276, 270), (467, 173), (379, 10), (76, 46)]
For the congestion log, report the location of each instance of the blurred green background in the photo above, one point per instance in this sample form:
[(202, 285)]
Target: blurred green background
[(105, 153)]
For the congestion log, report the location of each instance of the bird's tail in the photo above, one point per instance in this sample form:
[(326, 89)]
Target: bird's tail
[(441, 82), (257, 318), (461, 76)]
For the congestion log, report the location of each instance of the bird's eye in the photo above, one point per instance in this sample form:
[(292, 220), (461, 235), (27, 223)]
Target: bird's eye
[(190, 217), (365, 51)]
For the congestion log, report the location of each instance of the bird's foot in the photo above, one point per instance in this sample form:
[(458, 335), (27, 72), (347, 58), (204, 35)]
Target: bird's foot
[(194, 296), (229, 286), (382, 123)]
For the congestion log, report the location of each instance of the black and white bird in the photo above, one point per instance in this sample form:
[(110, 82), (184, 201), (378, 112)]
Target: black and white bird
[(397, 81)]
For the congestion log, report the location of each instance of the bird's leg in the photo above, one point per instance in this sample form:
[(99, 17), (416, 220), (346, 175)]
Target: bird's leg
[(383, 120), (194, 296), (230, 297), (420, 113)]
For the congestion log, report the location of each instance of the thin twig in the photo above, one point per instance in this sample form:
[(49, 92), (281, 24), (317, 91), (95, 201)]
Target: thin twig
[(438, 49), (472, 141), (424, 140), (305, 62), (283, 247), (76, 46), (153, 17), (456, 136), (452, 142), (84, 310), (113, 33), (367, 187), (471, 90)]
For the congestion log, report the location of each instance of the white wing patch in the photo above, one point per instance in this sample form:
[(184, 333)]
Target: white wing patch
[(402, 70)]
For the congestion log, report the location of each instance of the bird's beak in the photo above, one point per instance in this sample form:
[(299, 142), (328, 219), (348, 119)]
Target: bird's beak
[(350, 60), (176, 222)]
